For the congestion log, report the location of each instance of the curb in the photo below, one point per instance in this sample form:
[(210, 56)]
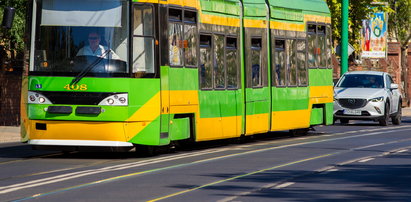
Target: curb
[(12, 133)]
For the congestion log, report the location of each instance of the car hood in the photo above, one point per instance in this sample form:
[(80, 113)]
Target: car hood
[(362, 93)]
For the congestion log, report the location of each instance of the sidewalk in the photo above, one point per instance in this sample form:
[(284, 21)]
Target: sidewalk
[(12, 133), (9, 134)]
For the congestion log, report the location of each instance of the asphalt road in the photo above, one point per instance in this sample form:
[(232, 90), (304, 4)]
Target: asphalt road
[(358, 162)]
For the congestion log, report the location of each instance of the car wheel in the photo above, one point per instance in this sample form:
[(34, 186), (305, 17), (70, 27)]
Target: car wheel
[(385, 119), (344, 121), (396, 120)]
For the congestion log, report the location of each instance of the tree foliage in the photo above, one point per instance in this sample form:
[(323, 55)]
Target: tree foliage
[(400, 20), (13, 38), (358, 11)]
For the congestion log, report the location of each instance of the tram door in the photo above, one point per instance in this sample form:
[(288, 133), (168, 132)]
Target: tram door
[(257, 97)]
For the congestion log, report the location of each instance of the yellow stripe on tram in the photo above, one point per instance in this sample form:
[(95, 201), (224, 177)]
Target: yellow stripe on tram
[(321, 94), (219, 20), (293, 119)]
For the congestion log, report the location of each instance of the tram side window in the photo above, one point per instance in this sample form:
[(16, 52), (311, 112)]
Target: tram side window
[(232, 63), (206, 71), (218, 63), (301, 64), (256, 76), (175, 34), (190, 38), (143, 41), (312, 41), (321, 49), (279, 63), (291, 64), (328, 47)]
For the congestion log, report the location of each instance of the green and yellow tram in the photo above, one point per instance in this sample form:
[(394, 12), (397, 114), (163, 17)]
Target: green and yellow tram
[(120, 73)]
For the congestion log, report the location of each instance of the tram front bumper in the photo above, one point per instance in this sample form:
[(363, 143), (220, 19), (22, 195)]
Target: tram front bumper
[(78, 133)]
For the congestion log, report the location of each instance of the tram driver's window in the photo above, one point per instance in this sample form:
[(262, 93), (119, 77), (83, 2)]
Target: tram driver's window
[(279, 63), (143, 41), (206, 70), (256, 77), (175, 37)]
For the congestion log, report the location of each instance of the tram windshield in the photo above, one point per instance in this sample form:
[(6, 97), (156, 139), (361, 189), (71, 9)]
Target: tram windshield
[(74, 35)]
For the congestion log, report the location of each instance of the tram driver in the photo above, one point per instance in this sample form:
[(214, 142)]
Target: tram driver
[(96, 49)]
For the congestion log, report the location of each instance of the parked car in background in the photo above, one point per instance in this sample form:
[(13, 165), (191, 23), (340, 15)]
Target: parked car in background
[(367, 95)]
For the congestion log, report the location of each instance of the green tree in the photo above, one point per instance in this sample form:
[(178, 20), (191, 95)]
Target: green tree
[(13, 39), (399, 26)]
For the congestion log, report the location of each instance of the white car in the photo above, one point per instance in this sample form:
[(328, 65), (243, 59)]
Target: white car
[(367, 95)]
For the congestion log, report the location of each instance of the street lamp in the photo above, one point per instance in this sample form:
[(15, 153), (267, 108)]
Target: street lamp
[(344, 36)]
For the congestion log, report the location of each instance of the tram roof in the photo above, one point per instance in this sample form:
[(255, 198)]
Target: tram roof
[(258, 8), (306, 5)]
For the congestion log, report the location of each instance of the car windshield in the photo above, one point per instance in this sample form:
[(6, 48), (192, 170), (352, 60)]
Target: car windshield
[(74, 35), (361, 81)]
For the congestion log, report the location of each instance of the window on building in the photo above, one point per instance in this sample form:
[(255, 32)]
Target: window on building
[(279, 70), (206, 70), (232, 62)]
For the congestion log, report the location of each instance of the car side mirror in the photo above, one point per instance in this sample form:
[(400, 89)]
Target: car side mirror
[(394, 86), (8, 16)]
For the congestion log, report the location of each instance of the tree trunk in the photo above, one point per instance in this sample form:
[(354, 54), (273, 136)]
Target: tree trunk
[(404, 68)]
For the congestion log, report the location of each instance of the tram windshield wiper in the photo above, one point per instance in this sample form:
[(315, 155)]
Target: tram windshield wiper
[(83, 73)]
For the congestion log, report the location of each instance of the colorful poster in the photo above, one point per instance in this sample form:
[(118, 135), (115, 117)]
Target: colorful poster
[(374, 36)]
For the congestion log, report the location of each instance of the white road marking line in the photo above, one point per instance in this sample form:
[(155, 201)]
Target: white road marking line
[(402, 151), (332, 170), (324, 169), (365, 160), (67, 176), (368, 146), (284, 185)]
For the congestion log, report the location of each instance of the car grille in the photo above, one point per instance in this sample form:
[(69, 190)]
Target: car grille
[(352, 103)]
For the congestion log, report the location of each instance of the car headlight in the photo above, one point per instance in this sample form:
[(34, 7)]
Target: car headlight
[(377, 99)]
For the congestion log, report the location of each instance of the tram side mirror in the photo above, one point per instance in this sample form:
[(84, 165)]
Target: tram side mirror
[(8, 16)]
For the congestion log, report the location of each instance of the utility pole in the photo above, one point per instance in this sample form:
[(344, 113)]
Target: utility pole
[(344, 36)]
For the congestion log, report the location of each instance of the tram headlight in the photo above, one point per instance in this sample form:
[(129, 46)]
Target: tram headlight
[(42, 100), (32, 98), (120, 99), (110, 101), (37, 98)]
